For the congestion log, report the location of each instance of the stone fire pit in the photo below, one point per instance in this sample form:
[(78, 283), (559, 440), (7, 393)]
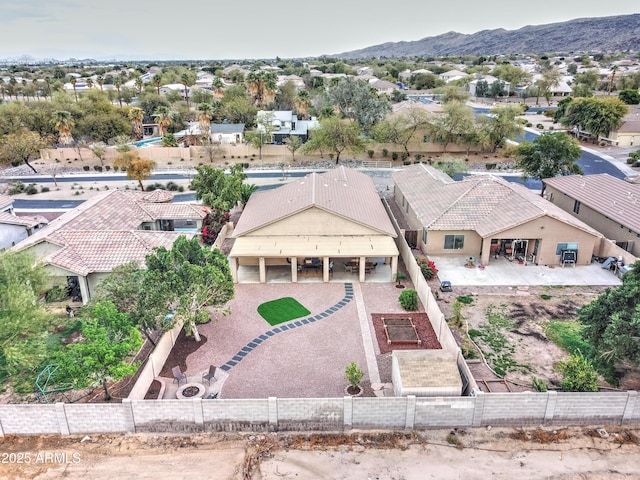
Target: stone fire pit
[(190, 391)]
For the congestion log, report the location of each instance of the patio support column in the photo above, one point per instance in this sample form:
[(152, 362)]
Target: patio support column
[(84, 289), (361, 267), (294, 269), (394, 267), (233, 264), (325, 269), (486, 251), (263, 270)]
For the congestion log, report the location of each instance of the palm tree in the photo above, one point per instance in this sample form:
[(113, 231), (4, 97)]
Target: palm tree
[(206, 113), (136, 115), (100, 81), (614, 69), (186, 81), (156, 81), (302, 101), (118, 83), (35, 87), (217, 86), (2, 87), (73, 83), (138, 84), (64, 124), (89, 83), (47, 80), (163, 119), (24, 85)]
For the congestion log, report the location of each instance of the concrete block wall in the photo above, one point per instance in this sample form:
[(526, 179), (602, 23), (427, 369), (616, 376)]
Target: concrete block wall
[(311, 414), (315, 414), (444, 412), (383, 412), (97, 418), (30, 419)]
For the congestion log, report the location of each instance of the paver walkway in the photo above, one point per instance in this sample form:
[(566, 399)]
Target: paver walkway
[(257, 341)]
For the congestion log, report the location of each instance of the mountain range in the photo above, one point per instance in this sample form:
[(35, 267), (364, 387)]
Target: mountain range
[(601, 34)]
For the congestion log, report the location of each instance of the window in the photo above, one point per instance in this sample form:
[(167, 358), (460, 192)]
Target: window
[(576, 207), (424, 235), (453, 242)]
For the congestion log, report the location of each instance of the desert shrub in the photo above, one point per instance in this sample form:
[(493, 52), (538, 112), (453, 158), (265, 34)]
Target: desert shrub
[(16, 188), (409, 300), (85, 168), (97, 168), (490, 166), (578, 375), (370, 153), (539, 385), (636, 164), (385, 152), (418, 156), (404, 156), (31, 189), (406, 162), (529, 124), (394, 156), (353, 374), (466, 299), (172, 186), (107, 167), (44, 189), (180, 188), (540, 126)]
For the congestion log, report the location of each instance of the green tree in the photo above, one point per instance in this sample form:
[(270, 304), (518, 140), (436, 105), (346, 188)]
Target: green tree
[(612, 322), (598, 116), (402, 129), (549, 155), (189, 279), (336, 136), (482, 88), (356, 100), (578, 375), (500, 125), (293, 144), (23, 320), (20, 147), (216, 189), (453, 125), (452, 166), (121, 286), (108, 338), (630, 96)]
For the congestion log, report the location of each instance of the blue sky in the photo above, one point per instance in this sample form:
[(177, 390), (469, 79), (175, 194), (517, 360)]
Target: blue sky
[(215, 29)]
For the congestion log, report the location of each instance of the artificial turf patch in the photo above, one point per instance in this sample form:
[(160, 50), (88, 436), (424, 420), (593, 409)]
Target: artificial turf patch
[(282, 310)]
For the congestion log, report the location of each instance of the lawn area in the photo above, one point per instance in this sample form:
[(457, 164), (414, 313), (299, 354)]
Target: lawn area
[(567, 335), (282, 310)]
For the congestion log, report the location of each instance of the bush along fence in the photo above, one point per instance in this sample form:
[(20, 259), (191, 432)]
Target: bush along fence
[(323, 414)]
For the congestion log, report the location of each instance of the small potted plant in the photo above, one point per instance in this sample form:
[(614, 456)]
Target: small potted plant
[(353, 374)]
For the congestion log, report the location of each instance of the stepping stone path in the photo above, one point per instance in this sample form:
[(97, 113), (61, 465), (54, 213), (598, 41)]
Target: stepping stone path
[(256, 342)]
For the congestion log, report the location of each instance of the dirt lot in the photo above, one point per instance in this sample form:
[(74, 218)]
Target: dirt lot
[(525, 311), (567, 453)]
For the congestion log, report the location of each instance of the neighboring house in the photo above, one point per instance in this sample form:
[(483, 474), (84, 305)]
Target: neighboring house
[(332, 219), (13, 228), (227, 133), (108, 230), (489, 79), (452, 75), (483, 216), (283, 124), (607, 204), (297, 81), (628, 134), (383, 86)]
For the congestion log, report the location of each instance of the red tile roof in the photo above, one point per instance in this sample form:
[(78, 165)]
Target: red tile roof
[(341, 191), (486, 204)]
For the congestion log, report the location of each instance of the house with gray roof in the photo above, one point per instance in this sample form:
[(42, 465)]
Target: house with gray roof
[(483, 216), (608, 204), (112, 228), (282, 124), (324, 223)]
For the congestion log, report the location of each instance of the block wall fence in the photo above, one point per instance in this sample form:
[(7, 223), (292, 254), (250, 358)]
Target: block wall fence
[(323, 414)]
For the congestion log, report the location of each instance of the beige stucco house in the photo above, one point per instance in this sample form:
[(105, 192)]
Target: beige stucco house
[(608, 204), (484, 216), (324, 223), (628, 134), (112, 228), (14, 228)]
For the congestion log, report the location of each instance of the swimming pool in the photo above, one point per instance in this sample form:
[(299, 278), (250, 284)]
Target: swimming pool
[(148, 141)]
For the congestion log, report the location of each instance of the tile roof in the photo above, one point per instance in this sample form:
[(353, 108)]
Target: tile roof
[(483, 203), (341, 191), (28, 221), (617, 199), (5, 200), (104, 231)]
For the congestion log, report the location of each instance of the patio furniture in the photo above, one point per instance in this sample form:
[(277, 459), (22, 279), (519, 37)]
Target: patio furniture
[(178, 375), (210, 374)]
